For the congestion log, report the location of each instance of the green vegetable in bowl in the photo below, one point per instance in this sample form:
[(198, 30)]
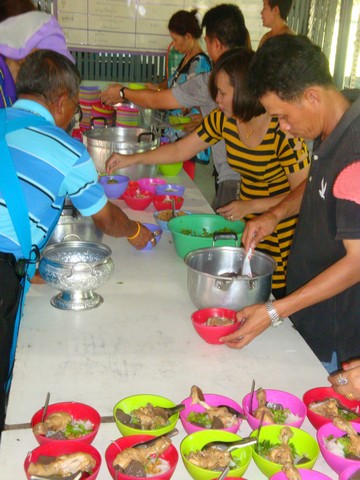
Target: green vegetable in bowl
[(200, 419), (205, 233)]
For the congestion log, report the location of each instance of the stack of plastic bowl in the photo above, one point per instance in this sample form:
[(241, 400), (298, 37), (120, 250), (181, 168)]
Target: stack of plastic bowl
[(102, 115), (88, 96), (127, 115)]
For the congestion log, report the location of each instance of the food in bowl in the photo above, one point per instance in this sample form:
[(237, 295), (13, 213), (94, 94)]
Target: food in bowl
[(159, 459), (211, 324), (278, 407), (166, 215), (143, 462), (191, 452), (211, 416), (347, 446), (330, 408), (63, 426), (63, 458), (319, 416), (128, 413), (66, 421)]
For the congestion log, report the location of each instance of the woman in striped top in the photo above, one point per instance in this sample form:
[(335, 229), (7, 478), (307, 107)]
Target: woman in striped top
[(270, 163)]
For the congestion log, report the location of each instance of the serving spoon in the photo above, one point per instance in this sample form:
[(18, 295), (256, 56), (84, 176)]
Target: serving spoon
[(230, 445), (148, 443)]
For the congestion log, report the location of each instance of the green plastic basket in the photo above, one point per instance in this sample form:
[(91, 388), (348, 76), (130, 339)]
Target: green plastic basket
[(188, 232)]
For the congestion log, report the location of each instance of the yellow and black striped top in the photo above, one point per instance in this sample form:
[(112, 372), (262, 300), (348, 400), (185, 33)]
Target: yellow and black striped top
[(264, 171)]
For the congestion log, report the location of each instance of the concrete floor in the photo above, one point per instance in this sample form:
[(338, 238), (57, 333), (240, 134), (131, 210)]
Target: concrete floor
[(205, 181)]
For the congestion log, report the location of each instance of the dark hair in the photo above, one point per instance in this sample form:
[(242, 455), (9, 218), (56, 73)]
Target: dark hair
[(11, 8), (47, 74), (283, 5), (287, 65), (235, 63), (183, 22), (226, 23)]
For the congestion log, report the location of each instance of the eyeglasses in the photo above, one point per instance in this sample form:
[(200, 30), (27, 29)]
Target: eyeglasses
[(78, 114)]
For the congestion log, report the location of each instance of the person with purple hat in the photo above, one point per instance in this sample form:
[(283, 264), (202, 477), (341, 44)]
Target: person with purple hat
[(19, 36)]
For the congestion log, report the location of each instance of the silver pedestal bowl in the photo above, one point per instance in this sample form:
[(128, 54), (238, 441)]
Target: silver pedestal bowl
[(76, 268)]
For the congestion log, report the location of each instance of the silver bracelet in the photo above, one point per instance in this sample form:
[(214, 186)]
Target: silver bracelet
[(275, 318)]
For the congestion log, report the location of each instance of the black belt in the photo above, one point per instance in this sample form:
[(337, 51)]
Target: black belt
[(8, 258)]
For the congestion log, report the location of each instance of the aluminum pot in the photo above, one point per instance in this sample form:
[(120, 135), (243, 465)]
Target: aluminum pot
[(76, 268), (102, 142), (213, 278)]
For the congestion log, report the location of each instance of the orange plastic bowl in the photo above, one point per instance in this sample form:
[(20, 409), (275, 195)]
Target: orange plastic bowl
[(163, 202), (137, 199), (320, 394), (79, 411), (170, 455), (63, 447), (211, 334)]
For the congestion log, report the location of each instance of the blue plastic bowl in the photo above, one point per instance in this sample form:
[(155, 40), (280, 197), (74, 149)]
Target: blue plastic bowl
[(163, 224), (153, 228), (114, 185), (170, 189)]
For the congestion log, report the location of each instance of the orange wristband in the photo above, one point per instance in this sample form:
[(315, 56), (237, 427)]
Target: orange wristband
[(137, 232)]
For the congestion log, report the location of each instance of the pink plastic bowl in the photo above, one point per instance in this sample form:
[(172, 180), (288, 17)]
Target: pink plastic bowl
[(346, 474), (213, 400), (163, 202), (337, 463), (137, 203), (305, 475), (321, 393), (79, 411), (63, 447), (150, 184), (209, 333), (288, 400), (171, 455)]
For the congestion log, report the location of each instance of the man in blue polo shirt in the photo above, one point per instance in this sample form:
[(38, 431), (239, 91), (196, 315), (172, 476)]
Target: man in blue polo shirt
[(48, 165)]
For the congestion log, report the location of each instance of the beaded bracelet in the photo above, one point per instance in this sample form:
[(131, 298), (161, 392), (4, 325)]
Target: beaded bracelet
[(137, 232)]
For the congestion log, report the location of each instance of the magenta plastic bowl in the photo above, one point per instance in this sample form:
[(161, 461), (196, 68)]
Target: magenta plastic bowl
[(288, 400), (171, 455), (114, 190), (304, 474), (213, 400), (321, 393), (346, 474), (136, 202), (150, 184), (209, 333), (63, 447), (172, 189), (163, 202), (336, 462), (153, 228), (79, 411)]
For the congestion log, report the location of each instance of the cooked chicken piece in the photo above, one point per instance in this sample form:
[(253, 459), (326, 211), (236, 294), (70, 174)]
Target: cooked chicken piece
[(222, 414), (150, 417), (210, 459), (291, 472), (141, 454), (64, 465), (327, 408), (346, 426), (282, 454), (263, 411), (54, 422)]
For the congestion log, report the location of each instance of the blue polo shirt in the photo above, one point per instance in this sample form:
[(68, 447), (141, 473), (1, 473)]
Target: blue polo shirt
[(50, 165)]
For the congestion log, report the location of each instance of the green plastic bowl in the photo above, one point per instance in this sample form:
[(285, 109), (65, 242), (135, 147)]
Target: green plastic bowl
[(129, 404), (197, 223), (197, 440), (304, 443), (170, 169)]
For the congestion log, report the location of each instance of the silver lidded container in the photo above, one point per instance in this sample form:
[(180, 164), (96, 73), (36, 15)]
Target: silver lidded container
[(76, 268)]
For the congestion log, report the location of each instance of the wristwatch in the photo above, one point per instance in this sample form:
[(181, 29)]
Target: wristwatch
[(275, 318), (121, 93)]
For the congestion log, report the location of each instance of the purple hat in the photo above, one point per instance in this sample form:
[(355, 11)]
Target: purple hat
[(31, 30), (347, 183)]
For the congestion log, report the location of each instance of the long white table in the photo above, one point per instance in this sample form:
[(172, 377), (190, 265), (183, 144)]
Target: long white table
[(140, 340)]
